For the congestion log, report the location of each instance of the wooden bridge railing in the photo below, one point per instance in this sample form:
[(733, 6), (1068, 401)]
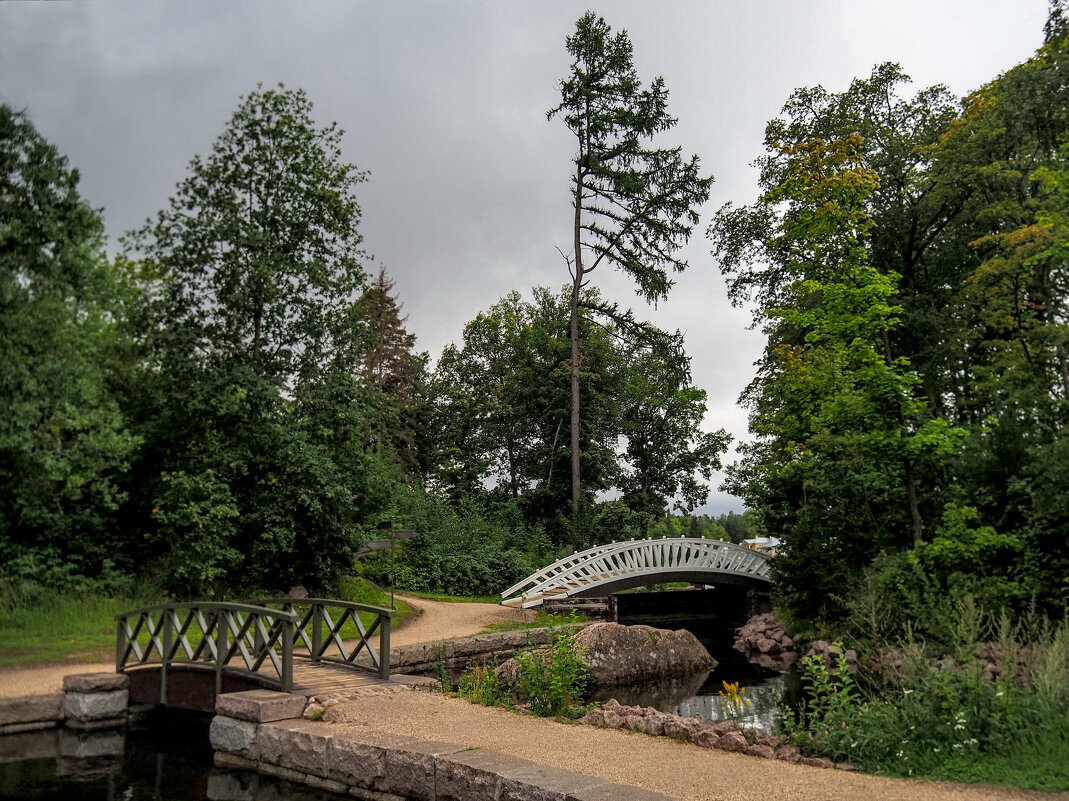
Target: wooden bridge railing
[(250, 635), (322, 636), (220, 635)]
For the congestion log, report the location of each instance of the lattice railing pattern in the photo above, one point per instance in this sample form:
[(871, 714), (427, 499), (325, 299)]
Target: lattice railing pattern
[(219, 635), (253, 636), (321, 629), (610, 563)]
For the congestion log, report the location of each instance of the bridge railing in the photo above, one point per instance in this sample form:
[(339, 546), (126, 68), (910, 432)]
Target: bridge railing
[(606, 564), (219, 635), (324, 635)]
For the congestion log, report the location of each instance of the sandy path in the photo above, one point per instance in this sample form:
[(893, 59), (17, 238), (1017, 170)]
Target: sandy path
[(444, 620), (655, 763), (431, 621)]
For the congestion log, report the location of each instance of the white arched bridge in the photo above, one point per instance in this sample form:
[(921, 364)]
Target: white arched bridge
[(619, 566)]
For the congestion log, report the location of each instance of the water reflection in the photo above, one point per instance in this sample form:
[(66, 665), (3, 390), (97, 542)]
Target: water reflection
[(169, 760), (700, 693)]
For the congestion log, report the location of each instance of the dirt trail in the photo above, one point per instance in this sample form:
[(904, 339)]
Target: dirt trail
[(431, 621), (661, 764), (444, 620)]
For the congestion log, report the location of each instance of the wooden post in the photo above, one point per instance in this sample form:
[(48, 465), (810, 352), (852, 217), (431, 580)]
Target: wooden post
[(165, 621), (317, 632), (120, 644), (287, 655), (384, 647)]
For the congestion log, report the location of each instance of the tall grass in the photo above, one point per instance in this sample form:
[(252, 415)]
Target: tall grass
[(940, 716), (62, 627)]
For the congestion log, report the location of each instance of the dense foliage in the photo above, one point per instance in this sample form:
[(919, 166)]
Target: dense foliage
[(947, 719), (232, 406), (908, 263), (501, 406)]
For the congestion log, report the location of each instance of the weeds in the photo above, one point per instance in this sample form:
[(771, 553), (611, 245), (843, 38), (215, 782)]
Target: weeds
[(944, 718), (549, 681)]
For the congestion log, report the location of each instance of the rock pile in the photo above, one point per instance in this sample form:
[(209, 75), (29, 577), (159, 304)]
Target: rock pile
[(830, 653), (764, 641), (724, 736)]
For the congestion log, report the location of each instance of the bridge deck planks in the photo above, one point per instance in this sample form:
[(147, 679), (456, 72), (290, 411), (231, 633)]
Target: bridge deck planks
[(325, 678)]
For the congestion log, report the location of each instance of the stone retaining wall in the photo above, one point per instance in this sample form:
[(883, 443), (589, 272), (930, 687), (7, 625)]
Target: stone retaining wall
[(262, 730), (89, 701), (459, 653)]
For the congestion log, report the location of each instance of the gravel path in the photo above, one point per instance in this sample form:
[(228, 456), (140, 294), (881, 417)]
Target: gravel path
[(432, 621), (444, 620), (655, 763)]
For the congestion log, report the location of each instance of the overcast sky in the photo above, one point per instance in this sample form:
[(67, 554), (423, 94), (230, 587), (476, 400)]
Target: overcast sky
[(444, 103)]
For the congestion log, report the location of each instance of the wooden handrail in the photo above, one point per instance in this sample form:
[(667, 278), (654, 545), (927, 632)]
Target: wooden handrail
[(255, 633), (311, 622)]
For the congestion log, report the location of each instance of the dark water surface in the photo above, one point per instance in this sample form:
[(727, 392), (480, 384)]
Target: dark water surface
[(711, 616), (168, 759)]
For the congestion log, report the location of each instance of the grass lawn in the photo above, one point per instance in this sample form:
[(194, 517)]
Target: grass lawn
[(81, 628), (542, 620), (459, 599), (62, 628)]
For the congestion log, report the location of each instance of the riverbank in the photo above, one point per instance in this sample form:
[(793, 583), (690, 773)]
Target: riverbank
[(658, 764), (430, 621)]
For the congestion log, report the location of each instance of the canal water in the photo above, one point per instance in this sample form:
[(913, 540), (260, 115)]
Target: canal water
[(712, 615), (168, 758)]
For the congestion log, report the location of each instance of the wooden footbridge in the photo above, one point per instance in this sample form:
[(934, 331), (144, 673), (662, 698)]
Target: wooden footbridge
[(184, 654), (621, 565)]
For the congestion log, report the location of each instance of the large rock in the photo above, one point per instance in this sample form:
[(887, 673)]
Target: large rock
[(618, 655), (631, 654)]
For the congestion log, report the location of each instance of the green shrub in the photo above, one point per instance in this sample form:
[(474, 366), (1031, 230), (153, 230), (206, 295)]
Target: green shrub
[(552, 680), (465, 551), (942, 719)]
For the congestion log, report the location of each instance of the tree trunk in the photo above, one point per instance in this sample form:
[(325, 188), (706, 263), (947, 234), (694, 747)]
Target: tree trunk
[(577, 283)]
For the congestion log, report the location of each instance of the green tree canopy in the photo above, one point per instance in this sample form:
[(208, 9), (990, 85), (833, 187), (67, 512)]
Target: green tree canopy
[(63, 440)]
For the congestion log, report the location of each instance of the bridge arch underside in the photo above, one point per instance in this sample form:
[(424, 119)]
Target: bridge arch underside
[(665, 575), (192, 686)]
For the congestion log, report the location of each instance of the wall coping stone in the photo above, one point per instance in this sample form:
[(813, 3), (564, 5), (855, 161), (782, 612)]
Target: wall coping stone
[(31, 708), (618, 792), (375, 765), (474, 775), (553, 784), (95, 682), (260, 706)]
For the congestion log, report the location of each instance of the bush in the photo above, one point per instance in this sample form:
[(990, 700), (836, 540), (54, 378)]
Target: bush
[(550, 681), (945, 720), (464, 552)]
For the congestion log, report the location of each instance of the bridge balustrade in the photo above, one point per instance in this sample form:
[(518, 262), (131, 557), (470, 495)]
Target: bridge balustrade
[(323, 638), (219, 635), (252, 635)]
